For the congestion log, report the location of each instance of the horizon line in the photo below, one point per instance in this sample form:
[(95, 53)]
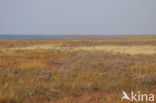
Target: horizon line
[(84, 34)]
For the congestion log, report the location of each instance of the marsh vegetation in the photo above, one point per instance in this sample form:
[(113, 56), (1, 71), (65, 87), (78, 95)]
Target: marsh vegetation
[(88, 70)]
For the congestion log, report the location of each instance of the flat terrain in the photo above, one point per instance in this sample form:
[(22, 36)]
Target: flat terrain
[(87, 70)]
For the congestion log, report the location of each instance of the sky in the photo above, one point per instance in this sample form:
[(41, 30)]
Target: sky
[(77, 16)]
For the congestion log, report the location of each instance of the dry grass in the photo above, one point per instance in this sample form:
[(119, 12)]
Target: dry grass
[(76, 71), (107, 48)]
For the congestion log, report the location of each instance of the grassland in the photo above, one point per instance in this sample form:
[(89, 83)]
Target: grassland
[(90, 70)]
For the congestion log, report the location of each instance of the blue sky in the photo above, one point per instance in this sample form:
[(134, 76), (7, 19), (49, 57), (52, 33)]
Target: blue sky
[(77, 17)]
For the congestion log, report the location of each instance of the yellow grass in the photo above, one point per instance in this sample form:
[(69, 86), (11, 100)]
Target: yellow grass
[(144, 49), (122, 49)]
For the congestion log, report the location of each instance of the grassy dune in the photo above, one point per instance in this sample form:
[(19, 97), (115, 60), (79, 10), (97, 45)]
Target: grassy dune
[(76, 70)]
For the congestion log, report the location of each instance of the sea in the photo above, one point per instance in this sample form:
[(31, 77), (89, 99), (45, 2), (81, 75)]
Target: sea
[(7, 37)]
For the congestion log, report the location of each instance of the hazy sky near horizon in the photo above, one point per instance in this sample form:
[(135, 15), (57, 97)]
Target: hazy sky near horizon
[(77, 16)]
